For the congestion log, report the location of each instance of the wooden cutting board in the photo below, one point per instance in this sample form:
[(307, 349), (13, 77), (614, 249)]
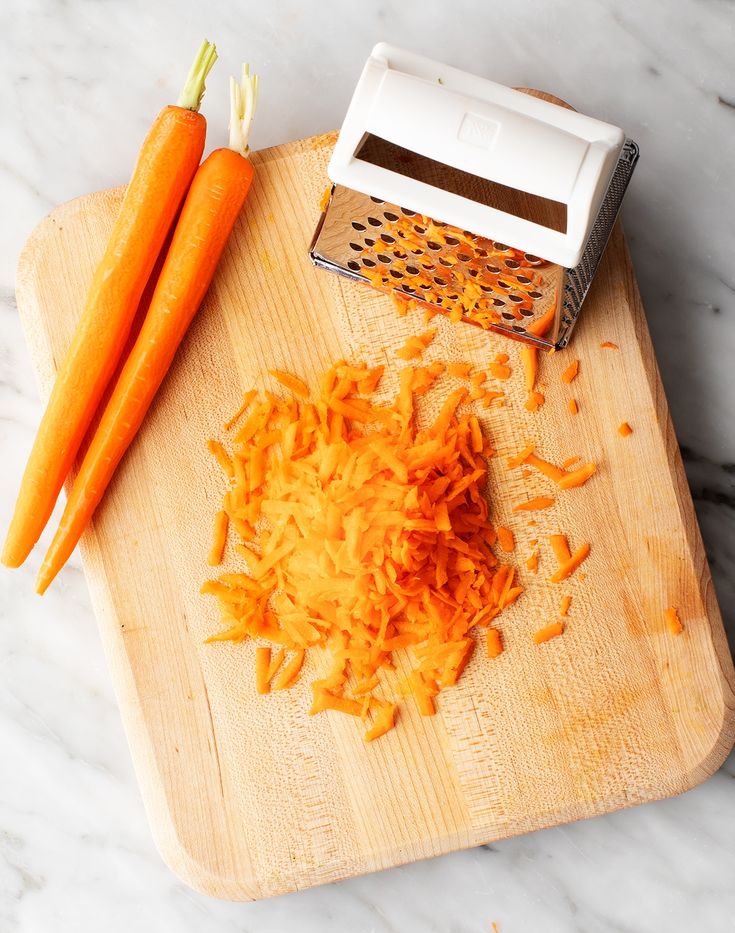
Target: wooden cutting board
[(248, 796)]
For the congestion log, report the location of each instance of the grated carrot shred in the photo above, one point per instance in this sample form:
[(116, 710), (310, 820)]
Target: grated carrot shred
[(573, 406), (552, 630), (566, 602), (560, 547), (578, 477), (459, 370), (609, 345), (570, 461), (539, 502), (624, 430), (568, 568), (532, 561), (219, 538), (529, 361), (360, 534), (570, 373), (290, 382), (494, 643), (534, 401), (506, 539), (414, 346), (673, 621)]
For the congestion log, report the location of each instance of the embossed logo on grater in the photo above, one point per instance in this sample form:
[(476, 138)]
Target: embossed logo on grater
[(496, 210)]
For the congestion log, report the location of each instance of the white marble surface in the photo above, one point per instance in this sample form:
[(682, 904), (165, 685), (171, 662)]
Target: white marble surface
[(79, 81)]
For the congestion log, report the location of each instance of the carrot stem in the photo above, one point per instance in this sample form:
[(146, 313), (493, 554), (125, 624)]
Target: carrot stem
[(193, 90), (243, 102)]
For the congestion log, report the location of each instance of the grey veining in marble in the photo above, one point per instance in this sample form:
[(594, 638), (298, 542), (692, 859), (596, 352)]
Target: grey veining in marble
[(80, 81)]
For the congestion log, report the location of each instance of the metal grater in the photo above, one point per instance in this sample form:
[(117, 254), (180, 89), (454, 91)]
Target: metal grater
[(423, 141)]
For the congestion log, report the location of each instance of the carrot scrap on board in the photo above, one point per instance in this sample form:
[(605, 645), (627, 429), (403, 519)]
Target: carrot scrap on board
[(414, 347), (219, 538), (361, 534), (624, 430), (506, 539), (578, 477), (566, 602), (570, 461), (296, 385), (570, 373), (552, 630), (609, 345), (568, 568), (459, 370), (494, 643), (673, 621), (539, 502), (532, 561), (499, 368), (534, 401), (573, 406), (560, 547)]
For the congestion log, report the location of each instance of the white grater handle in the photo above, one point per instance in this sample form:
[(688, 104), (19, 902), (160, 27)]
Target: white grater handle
[(487, 130)]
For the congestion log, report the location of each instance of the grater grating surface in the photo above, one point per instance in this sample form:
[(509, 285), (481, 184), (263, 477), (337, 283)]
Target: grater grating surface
[(468, 277)]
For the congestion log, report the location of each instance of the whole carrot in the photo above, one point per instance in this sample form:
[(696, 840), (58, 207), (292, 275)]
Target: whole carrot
[(211, 208), (166, 164)]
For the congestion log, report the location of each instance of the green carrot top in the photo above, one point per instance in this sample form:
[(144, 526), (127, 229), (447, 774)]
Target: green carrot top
[(193, 90)]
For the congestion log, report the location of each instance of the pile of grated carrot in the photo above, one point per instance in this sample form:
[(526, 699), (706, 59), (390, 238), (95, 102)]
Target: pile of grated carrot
[(365, 536)]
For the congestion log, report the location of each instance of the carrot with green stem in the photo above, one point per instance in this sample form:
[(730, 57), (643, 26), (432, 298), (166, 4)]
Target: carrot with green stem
[(166, 165), (211, 208)]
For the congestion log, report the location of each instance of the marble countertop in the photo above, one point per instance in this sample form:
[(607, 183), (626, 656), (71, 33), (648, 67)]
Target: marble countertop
[(80, 81)]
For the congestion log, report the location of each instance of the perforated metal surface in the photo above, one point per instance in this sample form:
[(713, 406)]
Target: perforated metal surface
[(472, 279)]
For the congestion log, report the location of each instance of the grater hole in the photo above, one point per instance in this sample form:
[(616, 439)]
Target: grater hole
[(444, 262), (389, 215), (370, 263), (376, 200), (464, 257), (482, 253), (507, 315), (358, 226), (420, 230), (501, 247), (395, 273), (433, 246), (424, 286), (502, 284), (356, 247), (512, 264), (439, 281), (516, 299), (417, 252), (532, 260), (354, 265), (429, 266), (407, 288), (412, 270), (387, 238), (498, 302), (526, 312), (383, 258), (472, 272), (369, 241), (535, 295), (490, 268), (374, 222), (523, 279), (407, 212), (451, 241)]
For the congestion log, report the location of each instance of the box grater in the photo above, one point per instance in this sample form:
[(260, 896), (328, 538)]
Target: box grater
[(488, 203)]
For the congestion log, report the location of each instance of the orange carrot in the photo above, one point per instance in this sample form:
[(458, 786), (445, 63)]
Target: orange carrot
[(529, 360), (570, 461), (625, 430), (570, 373), (415, 346), (673, 621), (548, 469), (211, 208), (568, 568), (566, 602), (573, 406), (164, 170), (459, 370), (609, 345), (539, 502), (520, 457), (534, 401), (532, 562), (289, 672), (553, 630)]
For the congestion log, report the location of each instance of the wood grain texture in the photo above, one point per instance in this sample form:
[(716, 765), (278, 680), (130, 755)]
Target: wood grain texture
[(248, 796)]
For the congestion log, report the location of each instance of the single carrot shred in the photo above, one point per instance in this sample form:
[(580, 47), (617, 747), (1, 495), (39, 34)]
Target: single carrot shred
[(625, 430), (566, 602), (219, 538), (494, 643), (673, 621), (573, 406), (570, 461), (560, 547), (532, 561), (534, 401), (262, 666), (568, 568), (520, 457), (459, 370), (543, 466), (506, 539), (552, 630), (529, 361), (414, 347), (539, 502), (578, 477), (570, 373), (290, 382), (609, 345)]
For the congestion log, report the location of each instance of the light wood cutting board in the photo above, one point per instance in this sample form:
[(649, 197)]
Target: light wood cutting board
[(248, 796)]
